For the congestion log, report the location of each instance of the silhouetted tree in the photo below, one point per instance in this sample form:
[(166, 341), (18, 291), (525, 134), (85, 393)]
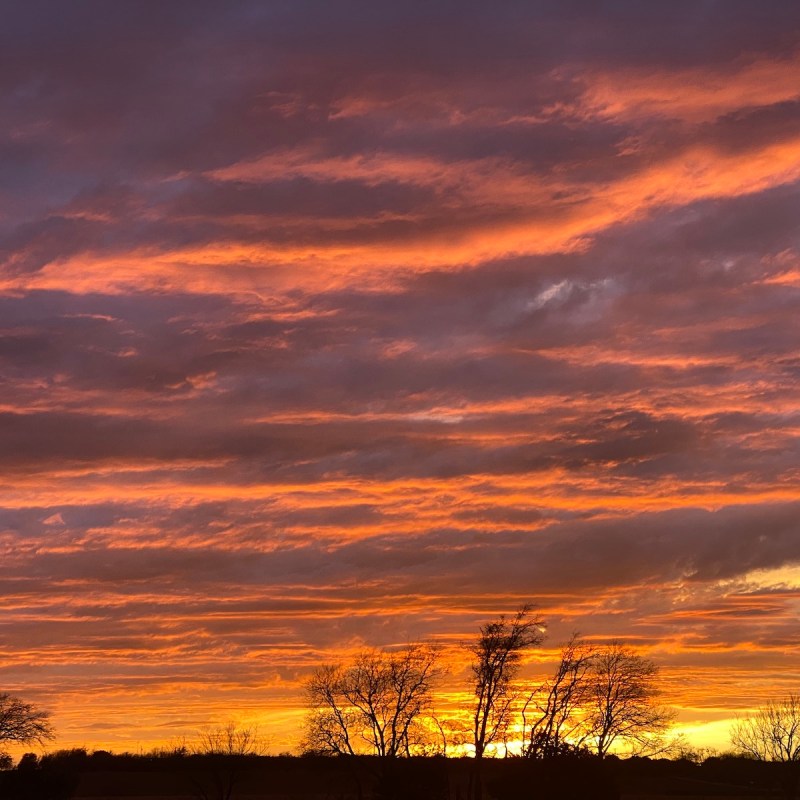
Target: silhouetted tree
[(230, 740), (52, 777), (554, 713), (380, 700), (224, 752), (22, 723), (621, 702), (330, 723), (497, 655), (772, 733), (497, 659)]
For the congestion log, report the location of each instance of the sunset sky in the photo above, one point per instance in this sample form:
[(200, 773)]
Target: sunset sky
[(327, 325)]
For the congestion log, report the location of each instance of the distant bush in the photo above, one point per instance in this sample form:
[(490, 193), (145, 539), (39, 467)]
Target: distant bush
[(52, 777)]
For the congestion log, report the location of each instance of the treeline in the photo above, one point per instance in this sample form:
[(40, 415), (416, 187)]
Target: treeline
[(77, 774), (377, 715), (383, 703)]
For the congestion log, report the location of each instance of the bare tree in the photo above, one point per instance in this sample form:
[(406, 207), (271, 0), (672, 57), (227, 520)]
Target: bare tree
[(772, 733), (622, 702), (497, 656), (330, 723), (22, 723), (224, 752), (497, 659), (553, 714), (380, 701), (230, 740)]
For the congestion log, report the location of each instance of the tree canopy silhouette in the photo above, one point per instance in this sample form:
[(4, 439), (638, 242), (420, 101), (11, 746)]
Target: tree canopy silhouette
[(22, 723), (497, 655), (378, 702), (622, 702), (553, 714), (772, 733)]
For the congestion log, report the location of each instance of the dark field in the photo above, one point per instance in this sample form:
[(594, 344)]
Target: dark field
[(75, 774)]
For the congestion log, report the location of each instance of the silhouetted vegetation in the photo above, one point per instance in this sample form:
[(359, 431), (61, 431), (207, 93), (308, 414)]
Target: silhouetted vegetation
[(497, 660), (621, 702), (51, 777), (225, 753), (551, 717), (497, 656), (372, 734), (375, 705), (22, 723), (772, 733), (585, 776)]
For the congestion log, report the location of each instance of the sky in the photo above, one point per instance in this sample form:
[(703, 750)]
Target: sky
[(331, 325)]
